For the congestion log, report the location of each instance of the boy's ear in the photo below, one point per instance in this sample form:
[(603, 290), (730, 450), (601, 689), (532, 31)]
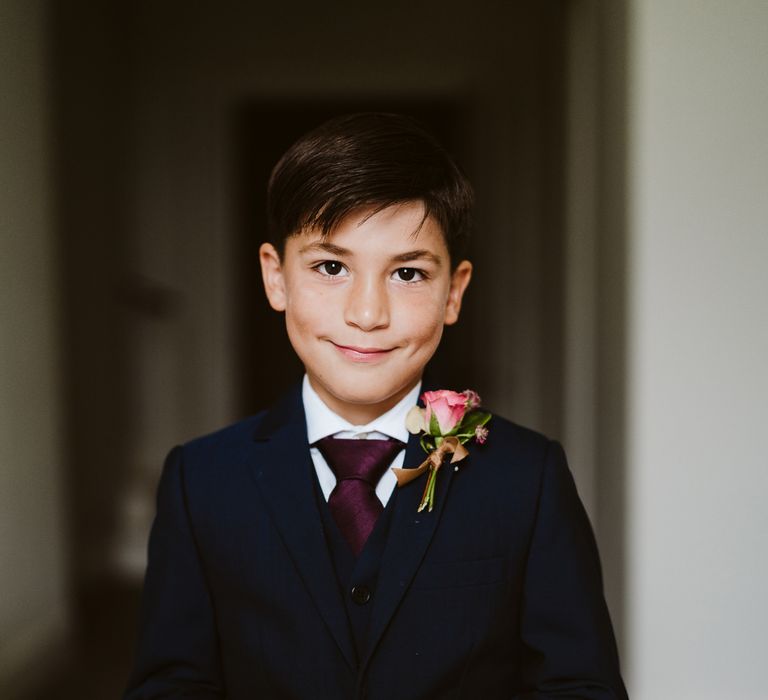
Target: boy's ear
[(459, 280), (272, 274)]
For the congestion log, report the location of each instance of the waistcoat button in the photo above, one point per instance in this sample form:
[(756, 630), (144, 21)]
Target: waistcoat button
[(361, 594)]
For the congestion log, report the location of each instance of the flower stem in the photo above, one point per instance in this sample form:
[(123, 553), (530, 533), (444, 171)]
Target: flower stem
[(429, 491)]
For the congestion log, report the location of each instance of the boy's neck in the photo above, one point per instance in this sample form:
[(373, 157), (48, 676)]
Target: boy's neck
[(360, 413)]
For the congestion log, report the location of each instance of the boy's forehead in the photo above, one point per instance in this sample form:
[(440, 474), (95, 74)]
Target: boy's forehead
[(399, 224)]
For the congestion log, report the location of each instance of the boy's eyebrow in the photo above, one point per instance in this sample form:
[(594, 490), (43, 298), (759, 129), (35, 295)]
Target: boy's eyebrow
[(325, 247), (418, 255)]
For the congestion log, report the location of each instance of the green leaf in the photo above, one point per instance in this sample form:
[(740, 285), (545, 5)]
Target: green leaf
[(466, 430), (434, 426), (427, 443), (472, 420)]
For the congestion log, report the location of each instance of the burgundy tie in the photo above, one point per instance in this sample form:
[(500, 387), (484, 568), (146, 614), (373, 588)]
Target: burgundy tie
[(358, 466)]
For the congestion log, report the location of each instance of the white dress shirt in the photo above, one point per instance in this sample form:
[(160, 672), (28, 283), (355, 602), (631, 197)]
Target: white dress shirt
[(322, 421)]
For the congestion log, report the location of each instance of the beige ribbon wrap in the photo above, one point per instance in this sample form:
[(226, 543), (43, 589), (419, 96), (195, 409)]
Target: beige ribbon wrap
[(434, 460)]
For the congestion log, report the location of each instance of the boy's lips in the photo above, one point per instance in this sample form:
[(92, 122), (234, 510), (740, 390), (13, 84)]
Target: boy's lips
[(362, 354)]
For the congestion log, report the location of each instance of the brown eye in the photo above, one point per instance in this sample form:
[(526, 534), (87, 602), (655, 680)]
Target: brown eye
[(332, 268), (409, 274)]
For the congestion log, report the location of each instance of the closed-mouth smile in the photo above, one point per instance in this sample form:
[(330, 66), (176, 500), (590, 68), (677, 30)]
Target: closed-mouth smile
[(362, 354)]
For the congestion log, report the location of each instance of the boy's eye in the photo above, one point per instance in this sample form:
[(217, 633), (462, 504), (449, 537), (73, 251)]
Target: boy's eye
[(409, 274), (331, 268)]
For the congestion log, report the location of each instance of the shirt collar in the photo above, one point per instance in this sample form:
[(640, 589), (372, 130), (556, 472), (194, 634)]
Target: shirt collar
[(322, 421)]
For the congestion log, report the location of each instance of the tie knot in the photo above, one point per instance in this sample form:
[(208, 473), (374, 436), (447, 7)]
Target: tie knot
[(366, 460)]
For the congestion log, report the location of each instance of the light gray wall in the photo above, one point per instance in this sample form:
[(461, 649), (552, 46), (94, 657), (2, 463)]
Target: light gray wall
[(33, 602), (595, 278), (697, 407)]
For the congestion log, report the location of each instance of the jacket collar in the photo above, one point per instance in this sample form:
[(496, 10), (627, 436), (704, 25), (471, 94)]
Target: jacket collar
[(282, 469)]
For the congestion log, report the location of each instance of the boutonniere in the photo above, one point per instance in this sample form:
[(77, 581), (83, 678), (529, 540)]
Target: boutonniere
[(448, 420)]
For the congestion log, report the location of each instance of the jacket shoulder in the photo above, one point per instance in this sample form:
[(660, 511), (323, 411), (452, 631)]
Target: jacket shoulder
[(514, 456), (207, 455), (233, 434), (515, 439)]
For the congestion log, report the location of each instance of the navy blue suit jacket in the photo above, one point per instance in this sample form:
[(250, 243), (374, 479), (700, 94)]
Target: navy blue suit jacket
[(496, 593)]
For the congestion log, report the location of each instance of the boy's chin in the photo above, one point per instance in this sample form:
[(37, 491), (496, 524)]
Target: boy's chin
[(370, 393), (370, 396)]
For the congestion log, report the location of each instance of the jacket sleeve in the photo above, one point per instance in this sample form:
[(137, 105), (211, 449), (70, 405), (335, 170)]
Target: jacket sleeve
[(177, 651), (570, 650)]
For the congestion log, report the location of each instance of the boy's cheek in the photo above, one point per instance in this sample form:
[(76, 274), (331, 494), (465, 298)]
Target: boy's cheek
[(309, 314)]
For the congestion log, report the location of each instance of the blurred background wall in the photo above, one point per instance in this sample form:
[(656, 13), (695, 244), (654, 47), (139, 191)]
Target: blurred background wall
[(33, 539), (168, 117), (697, 341), (619, 155)]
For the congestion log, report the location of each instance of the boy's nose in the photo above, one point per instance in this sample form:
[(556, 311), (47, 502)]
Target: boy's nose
[(367, 305)]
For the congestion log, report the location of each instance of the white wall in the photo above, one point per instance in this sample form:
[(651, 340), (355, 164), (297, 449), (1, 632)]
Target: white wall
[(697, 599), (32, 590)]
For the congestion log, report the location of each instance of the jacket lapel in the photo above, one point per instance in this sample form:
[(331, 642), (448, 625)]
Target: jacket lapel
[(409, 536), (283, 471)]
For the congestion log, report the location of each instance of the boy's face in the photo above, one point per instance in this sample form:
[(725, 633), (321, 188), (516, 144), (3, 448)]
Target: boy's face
[(365, 308)]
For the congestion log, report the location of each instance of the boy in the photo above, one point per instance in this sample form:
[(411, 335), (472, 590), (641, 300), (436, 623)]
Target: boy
[(278, 568)]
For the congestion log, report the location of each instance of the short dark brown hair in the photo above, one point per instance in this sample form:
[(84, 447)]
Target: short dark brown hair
[(367, 160)]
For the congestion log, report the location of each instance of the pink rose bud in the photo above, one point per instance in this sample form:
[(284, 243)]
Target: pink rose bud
[(448, 408), (473, 398), (481, 434)]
